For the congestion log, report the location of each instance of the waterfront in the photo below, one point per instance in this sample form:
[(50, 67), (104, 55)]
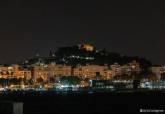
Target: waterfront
[(86, 102)]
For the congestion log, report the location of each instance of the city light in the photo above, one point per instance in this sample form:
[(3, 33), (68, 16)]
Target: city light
[(45, 74)]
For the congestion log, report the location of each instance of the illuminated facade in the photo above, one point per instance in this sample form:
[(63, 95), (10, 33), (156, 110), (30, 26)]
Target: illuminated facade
[(14, 72), (125, 69), (135, 66), (87, 47), (91, 71), (51, 70), (158, 71), (130, 68), (116, 68), (88, 71), (47, 71)]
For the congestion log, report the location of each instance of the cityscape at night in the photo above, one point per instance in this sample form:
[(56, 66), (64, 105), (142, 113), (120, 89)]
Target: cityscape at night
[(82, 56), (81, 67)]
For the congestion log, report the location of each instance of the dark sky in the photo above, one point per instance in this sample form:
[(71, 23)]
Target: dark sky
[(132, 28)]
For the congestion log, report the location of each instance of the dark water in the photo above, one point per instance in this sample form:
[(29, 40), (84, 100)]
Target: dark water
[(86, 103)]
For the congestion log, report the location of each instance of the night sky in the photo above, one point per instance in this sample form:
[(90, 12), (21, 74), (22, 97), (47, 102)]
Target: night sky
[(133, 28)]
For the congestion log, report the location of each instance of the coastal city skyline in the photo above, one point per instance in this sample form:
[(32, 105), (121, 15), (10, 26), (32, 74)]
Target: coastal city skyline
[(80, 64), (82, 56)]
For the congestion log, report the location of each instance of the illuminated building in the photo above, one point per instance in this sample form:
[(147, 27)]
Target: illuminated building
[(135, 66), (46, 71), (91, 71), (117, 69), (158, 71), (51, 70), (87, 47), (105, 72), (14, 71), (130, 67), (125, 69), (56, 70)]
